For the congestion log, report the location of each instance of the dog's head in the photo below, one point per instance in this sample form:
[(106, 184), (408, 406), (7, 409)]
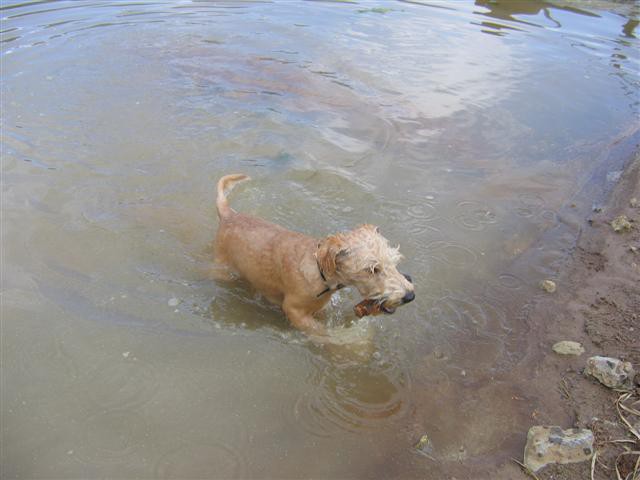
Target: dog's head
[(363, 258)]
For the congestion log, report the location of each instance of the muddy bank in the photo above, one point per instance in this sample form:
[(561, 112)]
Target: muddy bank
[(597, 303)]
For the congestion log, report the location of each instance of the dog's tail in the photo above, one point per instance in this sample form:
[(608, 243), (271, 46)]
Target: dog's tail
[(227, 182)]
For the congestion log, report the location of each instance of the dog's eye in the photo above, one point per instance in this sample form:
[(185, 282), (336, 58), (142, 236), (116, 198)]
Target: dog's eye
[(376, 270)]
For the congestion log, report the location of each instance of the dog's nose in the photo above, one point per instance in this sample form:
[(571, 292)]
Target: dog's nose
[(407, 277), (408, 297)]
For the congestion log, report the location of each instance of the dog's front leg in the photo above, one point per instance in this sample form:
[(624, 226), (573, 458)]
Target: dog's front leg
[(302, 319)]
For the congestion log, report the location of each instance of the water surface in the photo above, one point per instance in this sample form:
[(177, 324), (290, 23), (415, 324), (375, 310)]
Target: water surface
[(475, 134)]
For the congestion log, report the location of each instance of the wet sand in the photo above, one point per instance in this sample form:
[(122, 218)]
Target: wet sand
[(597, 304)]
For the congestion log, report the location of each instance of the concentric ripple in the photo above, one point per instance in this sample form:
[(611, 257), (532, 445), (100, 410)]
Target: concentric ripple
[(475, 216), (476, 325), (201, 461), (111, 436), (351, 398), (122, 383), (451, 254)]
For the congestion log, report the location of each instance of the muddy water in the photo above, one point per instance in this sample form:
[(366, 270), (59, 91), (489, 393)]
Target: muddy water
[(474, 134)]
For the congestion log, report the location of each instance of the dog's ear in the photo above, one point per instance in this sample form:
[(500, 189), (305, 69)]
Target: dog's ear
[(330, 251)]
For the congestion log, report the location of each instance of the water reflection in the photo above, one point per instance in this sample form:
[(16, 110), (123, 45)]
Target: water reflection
[(508, 11)]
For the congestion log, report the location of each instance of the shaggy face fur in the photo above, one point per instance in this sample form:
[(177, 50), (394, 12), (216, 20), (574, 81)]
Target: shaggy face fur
[(363, 258)]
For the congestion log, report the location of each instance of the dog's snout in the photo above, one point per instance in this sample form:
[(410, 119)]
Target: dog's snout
[(408, 277), (408, 297)]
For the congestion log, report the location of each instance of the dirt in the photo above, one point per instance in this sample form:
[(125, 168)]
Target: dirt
[(597, 303)]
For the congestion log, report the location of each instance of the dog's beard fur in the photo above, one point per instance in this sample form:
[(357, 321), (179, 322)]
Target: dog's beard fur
[(363, 258)]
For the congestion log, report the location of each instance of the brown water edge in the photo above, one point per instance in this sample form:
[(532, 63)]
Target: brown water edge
[(532, 392), (599, 307)]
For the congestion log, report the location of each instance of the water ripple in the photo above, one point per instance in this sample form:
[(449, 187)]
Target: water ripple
[(122, 383), (111, 436), (451, 254), (351, 398), (472, 215), (193, 460)]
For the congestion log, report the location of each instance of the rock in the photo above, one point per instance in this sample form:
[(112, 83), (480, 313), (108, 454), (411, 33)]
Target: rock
[(633, 203), (173, 302), (621, 224), (567, 347), (611, 372), (552, 444), (548, 286)]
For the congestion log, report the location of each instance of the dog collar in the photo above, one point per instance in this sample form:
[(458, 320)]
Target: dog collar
[(324, 279)]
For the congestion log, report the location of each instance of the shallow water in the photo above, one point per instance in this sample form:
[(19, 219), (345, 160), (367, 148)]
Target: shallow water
[(476, 135)]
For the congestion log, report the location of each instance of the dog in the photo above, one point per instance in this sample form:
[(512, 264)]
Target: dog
[(300, 273)]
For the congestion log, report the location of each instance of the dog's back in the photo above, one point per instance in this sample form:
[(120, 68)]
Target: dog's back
[(257, 250)]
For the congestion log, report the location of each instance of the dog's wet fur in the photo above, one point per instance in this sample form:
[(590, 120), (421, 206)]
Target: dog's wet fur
[(300, 273)]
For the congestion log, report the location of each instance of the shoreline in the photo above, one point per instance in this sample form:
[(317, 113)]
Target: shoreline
[(597, 304)]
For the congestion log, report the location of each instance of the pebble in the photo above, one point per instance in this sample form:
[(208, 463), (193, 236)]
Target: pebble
[(568, 347), (611, 372), (173, 302), (548, 286), (552, 444), (633, 203), (621, 224)]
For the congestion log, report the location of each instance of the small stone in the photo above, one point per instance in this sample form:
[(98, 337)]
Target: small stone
[(568, 347), (633, 249), (173, 302), (611, 372), (548, 286), (552, 444), (126, 354), (633, 203), (621, 224)]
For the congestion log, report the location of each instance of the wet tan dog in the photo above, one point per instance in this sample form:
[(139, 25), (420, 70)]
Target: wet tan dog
[(300, 273)]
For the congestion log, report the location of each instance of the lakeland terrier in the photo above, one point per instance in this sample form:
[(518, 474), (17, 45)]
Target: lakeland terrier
[(301, 273)]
